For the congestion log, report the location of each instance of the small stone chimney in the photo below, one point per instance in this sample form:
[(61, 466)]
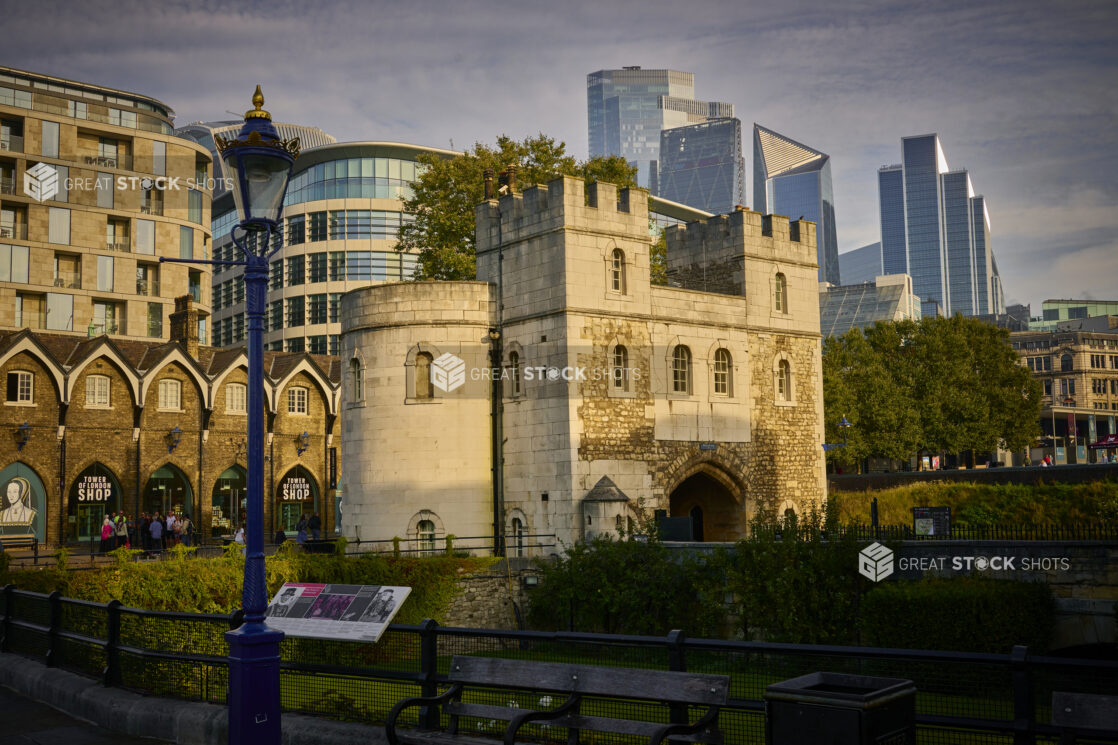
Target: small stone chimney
[(184, 324), (490, 192)]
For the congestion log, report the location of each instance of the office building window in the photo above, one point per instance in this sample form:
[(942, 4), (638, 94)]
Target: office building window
[(60, 312), (295, 345), (317, 344), (318, 226), (155, 320), (296, 230), (275, 275), (335, 299), (275, 315), (317, 306), (296, 270), (104, 273), (159, 158), (295, 312), (318, 266), (337, 266)]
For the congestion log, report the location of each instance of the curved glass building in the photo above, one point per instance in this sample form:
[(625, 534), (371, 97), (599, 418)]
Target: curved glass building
[(342, 215)]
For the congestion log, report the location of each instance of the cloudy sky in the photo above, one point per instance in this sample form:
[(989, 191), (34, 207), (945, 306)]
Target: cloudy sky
[(1022, 93)]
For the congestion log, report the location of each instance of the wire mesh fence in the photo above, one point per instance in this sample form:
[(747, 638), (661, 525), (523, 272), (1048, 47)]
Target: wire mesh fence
[(962, 698)]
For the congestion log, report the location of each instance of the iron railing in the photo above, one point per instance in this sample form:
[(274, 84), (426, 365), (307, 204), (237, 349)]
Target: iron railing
[(963, 698), (999, 532)]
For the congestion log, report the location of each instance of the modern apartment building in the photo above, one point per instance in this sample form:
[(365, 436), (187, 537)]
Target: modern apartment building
[(342, 215), (94, 190), (628, 108), (792, 179), (702, 165), (935, 228)]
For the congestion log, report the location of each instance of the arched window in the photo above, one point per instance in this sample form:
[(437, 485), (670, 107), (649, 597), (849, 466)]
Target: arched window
[(357, 380), (681, 370), (780, 294), (170, 395), (425, 532), (514, 373), (1065, 363), (723, 373), (97, 392), (784, 381), (617, 271), (423, 387), (517, 537), (620, 368)]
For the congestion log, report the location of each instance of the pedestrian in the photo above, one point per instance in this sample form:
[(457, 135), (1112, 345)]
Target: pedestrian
[(156, 530), (315, 525), (121, 530), (187, 530), (107, 532), (169, 532), (145, 531), (301, 527)]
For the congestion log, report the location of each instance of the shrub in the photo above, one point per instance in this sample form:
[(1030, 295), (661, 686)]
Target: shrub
[(965, 614)]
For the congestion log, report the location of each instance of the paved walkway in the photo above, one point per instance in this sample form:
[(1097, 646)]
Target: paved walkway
[(27, 722)]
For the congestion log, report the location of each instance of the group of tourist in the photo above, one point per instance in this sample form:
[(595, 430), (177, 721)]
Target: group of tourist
[(158, 532), (114, 532)]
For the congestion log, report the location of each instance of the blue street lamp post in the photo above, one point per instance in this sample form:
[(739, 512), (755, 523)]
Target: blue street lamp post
[(261, 163)]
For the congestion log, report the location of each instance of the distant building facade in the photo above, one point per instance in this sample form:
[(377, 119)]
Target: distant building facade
[(342, 216), (628, 108), (94, 191), (936, 229), (888, 298), (861, 265), (611, 391), (110, 424), (1055, 311), (1079, 374), (792, 179), (702, 165)]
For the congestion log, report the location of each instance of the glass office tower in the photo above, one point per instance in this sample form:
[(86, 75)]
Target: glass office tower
[(936, 229), (861, 265), (794, 180), (701, 165), (626, 110)]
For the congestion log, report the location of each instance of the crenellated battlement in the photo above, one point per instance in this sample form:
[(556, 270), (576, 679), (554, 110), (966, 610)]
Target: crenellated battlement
[(565, 202)]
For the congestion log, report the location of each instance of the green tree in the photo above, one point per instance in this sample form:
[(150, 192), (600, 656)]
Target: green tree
[(940, 385), (445, 193)]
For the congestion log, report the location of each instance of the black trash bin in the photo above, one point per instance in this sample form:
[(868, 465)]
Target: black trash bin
[(840, 709)]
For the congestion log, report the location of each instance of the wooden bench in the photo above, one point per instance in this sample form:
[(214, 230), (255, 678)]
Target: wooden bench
[(675, 689), (1084, 714), (8, 542)]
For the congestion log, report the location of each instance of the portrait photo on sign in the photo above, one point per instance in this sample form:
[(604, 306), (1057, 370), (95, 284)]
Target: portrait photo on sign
[(16, 506), (380, 609), (284, 602)]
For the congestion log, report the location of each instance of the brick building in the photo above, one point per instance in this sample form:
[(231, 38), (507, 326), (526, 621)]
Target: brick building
[(703, 398), (103, 424)]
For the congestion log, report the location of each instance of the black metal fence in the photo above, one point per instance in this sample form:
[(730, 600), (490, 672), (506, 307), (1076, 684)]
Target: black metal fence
[(999, 532), (963, 698)]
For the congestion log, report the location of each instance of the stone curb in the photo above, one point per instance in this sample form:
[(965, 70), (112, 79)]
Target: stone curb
[(182, 722)]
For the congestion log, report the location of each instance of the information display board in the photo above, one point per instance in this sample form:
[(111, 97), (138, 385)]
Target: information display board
[(340, 612), (931, 520)]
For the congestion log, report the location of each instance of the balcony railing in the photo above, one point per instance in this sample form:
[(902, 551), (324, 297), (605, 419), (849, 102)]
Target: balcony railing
[(14, 232), (152, 209), (196, 293), (12, 144), (69, 280), (109, 161), (149, 287), (7, 185), (108, 327), (118, 245), (31, 321)]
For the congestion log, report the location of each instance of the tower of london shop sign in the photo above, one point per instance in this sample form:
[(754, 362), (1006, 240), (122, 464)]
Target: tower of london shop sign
[(95, 489)]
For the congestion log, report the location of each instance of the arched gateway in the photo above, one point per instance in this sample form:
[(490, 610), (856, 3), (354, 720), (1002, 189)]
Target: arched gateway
[(713, 499)]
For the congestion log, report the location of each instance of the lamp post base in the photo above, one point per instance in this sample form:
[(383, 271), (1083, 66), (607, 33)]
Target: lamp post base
[(254, 685)]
